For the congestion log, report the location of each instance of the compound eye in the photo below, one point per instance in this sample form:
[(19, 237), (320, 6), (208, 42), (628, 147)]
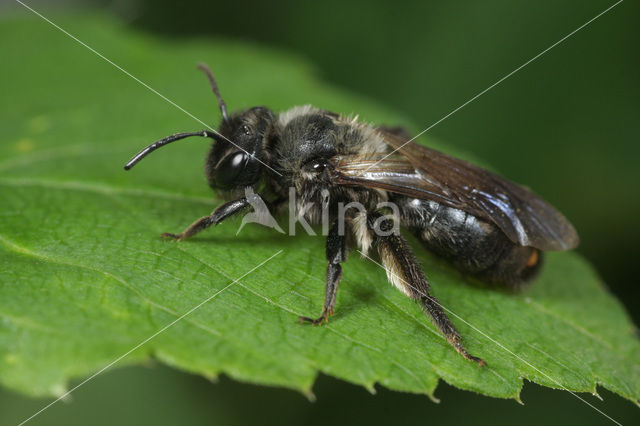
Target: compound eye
[(230, 168)]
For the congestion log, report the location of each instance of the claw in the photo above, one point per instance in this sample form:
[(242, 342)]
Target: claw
[(166, 235), (317, 321), (481, 362), (467, 355)]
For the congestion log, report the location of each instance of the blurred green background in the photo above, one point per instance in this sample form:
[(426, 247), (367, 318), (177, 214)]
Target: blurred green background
[(568, 125)]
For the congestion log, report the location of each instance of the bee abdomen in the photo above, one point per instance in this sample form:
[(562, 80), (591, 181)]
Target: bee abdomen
[(473, 245)]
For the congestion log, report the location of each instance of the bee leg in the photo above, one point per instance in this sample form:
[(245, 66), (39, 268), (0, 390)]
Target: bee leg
[(405, 273), (221, 213), (336, 254)]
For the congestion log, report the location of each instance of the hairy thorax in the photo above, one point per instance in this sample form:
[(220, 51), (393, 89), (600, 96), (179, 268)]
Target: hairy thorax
[(309, 138)]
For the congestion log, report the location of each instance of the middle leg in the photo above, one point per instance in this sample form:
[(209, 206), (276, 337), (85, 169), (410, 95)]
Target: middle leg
[(336, 254)]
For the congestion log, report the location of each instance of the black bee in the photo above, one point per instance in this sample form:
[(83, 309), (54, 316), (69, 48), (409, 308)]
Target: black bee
[(483, 224)]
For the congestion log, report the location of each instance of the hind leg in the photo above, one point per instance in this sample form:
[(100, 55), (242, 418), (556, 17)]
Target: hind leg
[(404, 272)]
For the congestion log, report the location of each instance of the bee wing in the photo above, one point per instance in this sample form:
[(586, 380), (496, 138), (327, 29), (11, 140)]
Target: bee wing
[(420, 172)]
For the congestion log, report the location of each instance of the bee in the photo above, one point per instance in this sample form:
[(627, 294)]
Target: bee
[(483, 224)]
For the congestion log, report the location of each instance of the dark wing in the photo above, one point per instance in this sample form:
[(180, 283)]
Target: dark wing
[(421, 172)]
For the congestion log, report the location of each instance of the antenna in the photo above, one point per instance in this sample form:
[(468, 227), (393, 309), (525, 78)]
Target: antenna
[(164, 141), (214, 87)]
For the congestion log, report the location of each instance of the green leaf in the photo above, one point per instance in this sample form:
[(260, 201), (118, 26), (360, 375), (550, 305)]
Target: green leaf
[(85, 277)]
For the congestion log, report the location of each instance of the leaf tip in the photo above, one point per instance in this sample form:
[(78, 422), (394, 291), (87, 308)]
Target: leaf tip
[(308, 393), (211, 376), (61, 391), (371, 388)]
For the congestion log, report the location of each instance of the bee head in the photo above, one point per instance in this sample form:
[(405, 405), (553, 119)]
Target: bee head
[(236, 158)]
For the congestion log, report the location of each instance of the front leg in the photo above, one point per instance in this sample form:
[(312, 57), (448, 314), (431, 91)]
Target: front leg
[(221, 213), (336, 254)]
